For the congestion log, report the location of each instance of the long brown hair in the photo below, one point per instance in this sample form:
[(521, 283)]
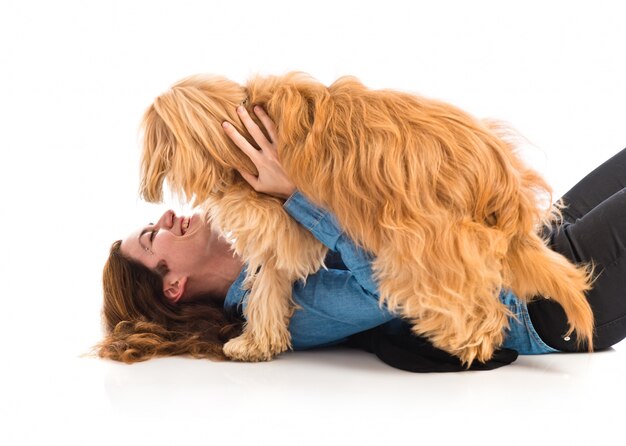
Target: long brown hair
[(140, 323)]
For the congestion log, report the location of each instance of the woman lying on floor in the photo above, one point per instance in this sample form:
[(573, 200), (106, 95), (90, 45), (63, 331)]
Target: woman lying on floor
[(175, 287)]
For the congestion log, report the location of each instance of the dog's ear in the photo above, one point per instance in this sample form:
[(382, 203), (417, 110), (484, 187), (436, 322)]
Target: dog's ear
[(157, 151), (184, 142)]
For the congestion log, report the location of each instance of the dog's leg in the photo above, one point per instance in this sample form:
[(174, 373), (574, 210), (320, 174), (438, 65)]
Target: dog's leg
[(269, 304), (266, 237), (448, 285), (267, 313), (534, 269)]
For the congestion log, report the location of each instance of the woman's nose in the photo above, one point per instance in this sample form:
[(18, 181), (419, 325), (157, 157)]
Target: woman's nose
[(167, 220)]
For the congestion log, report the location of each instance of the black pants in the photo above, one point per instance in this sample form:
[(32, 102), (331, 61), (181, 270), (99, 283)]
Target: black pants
[(594, 227)]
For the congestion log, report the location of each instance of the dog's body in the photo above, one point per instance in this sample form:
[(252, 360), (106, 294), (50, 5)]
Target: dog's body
[(449, 210)]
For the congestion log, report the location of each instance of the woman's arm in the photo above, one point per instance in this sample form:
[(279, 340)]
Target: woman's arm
[(323, 225), (273, 180), (333, 303)]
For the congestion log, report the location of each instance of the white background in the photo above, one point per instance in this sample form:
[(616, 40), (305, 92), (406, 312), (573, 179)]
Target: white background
[(75, 78)]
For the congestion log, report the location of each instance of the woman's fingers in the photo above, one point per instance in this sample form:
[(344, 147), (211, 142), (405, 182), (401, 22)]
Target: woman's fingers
[(272, 178), (254, 129), (267, 122), (247, 148), (240, 141), (251, 179)]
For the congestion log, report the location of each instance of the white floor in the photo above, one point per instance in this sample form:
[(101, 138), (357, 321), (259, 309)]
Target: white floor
[(75, 78), (332, 396)]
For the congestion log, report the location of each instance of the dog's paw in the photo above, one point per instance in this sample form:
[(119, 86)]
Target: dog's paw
[(244, 348), (481, 349), (479, 346)]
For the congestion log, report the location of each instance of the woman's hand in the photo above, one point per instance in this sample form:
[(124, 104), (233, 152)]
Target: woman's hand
[(272, 179)]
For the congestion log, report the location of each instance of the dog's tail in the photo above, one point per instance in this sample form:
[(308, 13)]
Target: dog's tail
[(536, 270), (531, 268)]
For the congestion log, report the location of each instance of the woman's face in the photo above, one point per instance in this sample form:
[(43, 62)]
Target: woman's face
[(185, 245)]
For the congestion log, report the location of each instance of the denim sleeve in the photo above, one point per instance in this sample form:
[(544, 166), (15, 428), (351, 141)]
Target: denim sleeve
[(323, 225), (333, 304), (330, 306)]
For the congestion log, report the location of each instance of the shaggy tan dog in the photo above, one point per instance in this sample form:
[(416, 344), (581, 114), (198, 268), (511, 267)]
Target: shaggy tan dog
[(449, 210)]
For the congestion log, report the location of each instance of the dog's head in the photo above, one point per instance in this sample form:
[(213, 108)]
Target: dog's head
[(184, 143)]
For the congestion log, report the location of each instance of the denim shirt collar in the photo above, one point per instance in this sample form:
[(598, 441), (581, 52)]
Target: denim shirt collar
[(235, 294)]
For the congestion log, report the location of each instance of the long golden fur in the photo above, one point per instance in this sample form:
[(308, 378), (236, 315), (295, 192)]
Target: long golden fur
[(441, 199)]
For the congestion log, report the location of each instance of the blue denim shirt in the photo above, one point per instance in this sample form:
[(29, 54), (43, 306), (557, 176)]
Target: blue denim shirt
[(336, 303)]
